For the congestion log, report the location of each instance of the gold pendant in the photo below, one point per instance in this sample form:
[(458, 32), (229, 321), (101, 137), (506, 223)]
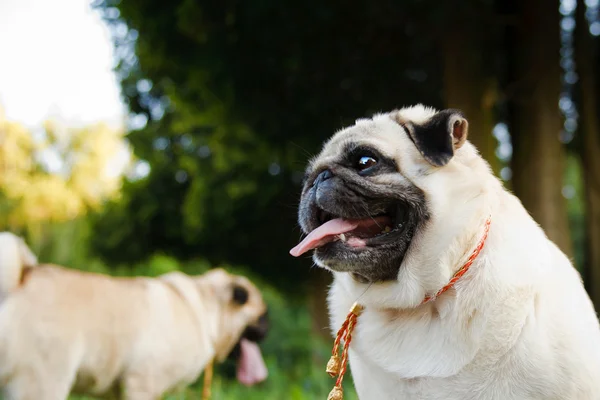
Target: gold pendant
[(333, 366), (336, 394)]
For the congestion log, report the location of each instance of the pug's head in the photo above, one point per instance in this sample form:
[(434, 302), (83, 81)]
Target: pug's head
[(375, 187), (244, 323)]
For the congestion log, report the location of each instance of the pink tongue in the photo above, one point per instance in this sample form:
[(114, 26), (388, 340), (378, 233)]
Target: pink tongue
[(324, 234), (251, 366)]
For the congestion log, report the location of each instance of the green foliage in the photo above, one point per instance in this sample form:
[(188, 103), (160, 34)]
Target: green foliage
[(81, 182), (575, 207), (238, 96)]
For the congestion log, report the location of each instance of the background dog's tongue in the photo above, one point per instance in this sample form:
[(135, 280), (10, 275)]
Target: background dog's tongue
[(251, 366), (323, 234)]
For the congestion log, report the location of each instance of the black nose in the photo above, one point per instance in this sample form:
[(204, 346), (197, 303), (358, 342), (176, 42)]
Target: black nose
[(323, 176), (263, 321), (258, 331)]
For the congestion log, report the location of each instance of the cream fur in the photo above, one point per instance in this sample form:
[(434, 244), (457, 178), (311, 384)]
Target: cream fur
[(519, 325), (14, 255), (133, 338)]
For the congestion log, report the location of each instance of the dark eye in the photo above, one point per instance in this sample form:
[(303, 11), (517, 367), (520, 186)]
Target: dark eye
[(240, 295), (366, 162)]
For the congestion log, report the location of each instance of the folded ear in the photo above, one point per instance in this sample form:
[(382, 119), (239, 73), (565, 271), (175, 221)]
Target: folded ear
[(28, 259), (439, 136)]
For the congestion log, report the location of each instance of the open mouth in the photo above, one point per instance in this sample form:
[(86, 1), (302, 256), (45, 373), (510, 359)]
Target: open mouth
[(357, 233), (251, 368)]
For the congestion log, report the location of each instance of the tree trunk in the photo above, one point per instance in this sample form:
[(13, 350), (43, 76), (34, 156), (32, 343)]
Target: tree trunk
[(590, 149), (319, 282), (538, 155), (468, 88)]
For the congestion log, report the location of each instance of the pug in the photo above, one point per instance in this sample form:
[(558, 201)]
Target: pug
[(464, 295), (65, 331)]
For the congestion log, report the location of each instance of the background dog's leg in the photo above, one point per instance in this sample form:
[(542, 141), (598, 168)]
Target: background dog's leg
[(23, 387), (142, 387)]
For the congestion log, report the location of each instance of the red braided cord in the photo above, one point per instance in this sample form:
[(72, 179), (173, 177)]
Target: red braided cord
[(345, 331), (465, 267), (347, 340), (340, 333)]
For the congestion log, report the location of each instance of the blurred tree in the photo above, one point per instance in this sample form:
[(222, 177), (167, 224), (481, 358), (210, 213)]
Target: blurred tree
[(538, 156), (93, 159), (234, 97), (230, 99), (36, 192), (470, 46), (589, 144), (16, 165), (238, 96)]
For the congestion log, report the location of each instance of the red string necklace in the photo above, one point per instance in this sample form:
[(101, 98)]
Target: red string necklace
[(336, 367)]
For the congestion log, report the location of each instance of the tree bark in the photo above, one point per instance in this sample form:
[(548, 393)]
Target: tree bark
[(590, 149), (468, 88), (538, 155), (320, 280)]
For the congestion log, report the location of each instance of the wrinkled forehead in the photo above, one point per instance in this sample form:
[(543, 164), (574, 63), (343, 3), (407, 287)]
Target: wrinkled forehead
[(380, 133), (223, 278), (248, 285)]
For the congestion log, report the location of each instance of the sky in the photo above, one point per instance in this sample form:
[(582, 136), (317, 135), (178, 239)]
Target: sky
[(56, 60)]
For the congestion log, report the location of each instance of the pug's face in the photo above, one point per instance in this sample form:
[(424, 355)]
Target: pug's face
[(240, 303), (360, 206)]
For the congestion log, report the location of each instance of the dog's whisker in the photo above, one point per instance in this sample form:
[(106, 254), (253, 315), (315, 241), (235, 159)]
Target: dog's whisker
[(370, 216), (308, 154)]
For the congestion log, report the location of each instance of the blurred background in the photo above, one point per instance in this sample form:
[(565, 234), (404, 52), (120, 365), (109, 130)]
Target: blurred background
[(145, 136)]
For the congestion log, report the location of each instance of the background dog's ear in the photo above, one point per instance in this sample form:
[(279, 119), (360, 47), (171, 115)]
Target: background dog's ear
[(240, 295), (28, 259), (440, 136)]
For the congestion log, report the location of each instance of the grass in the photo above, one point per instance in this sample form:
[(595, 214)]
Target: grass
[(314, 385)]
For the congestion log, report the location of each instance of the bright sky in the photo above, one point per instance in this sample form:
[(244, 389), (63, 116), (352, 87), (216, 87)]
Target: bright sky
[(56, 61)]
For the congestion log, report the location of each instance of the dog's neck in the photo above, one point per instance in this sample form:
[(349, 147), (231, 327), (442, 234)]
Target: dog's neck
[(465, 267), (462, 263), (337, 366), (193, 295), (224, 331)]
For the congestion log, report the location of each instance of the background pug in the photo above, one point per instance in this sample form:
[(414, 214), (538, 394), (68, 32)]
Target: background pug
[(63, 330), (394, 206)]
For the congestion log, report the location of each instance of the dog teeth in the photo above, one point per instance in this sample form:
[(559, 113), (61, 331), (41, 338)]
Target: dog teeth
[(342, 237)]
